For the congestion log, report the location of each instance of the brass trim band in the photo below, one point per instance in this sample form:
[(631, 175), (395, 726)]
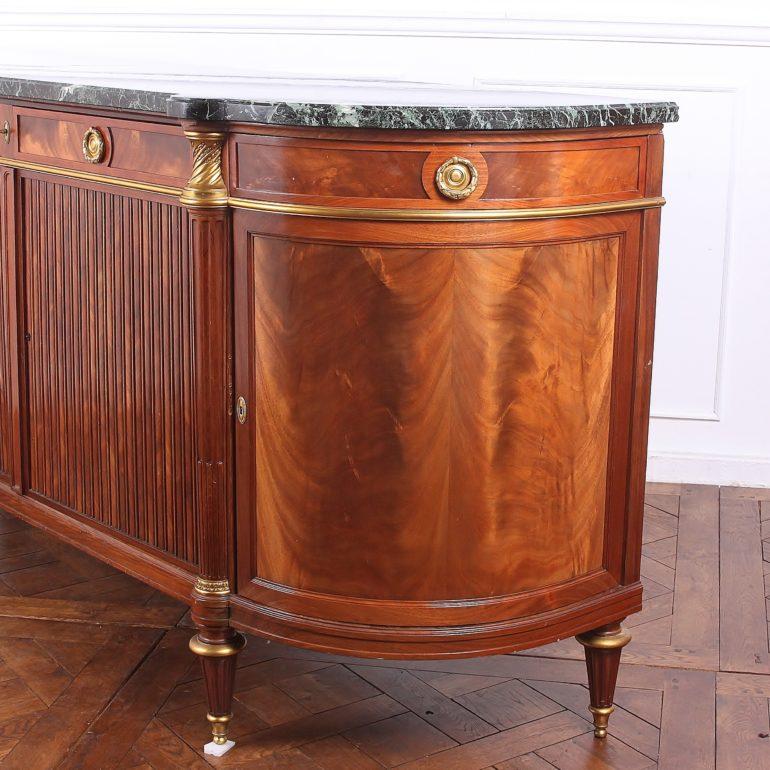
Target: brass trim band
[(87, 176), (605, 641), (221, 650), (212, 587), (444, 215)]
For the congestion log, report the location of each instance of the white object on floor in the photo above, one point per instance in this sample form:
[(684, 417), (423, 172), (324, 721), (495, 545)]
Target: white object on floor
[(217, 750)]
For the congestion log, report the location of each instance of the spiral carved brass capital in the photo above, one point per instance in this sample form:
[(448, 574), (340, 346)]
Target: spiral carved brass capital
[(457, 178), (206, 188)]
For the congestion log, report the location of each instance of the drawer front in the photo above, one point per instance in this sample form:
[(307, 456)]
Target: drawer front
[(509, 172), (152, 152)]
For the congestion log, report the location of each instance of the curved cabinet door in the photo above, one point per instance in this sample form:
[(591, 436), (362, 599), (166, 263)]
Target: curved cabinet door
[(429, 448)]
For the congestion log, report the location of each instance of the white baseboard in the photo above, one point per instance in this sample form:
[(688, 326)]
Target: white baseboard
[(722, 470)]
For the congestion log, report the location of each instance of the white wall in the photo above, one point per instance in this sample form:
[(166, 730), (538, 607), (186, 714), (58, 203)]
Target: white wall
[(711, 392)]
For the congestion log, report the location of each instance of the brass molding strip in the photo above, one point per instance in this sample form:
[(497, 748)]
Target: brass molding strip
[(91, 177), (221, 650), (444, 215), (613, 641), (212, 587)]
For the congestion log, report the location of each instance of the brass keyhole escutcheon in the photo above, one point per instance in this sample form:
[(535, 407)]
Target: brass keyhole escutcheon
[(93, 145), (241, 409), (457, 178), (6, 132)]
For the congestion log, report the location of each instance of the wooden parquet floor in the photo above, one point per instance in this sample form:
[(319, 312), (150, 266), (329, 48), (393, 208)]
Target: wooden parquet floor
[(95, 671)]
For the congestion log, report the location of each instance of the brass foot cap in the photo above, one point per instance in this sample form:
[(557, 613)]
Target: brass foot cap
[(219, 726), (601, 718)]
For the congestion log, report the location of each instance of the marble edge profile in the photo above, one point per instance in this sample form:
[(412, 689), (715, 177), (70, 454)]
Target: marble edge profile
[(344, 116), (424, 117)]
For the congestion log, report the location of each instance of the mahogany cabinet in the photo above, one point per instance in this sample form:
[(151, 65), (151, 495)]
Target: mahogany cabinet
[(374, 391)]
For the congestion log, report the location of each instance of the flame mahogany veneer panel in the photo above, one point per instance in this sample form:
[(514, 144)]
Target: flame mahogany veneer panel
[(431, 423), (296, 170), (549, 174), (109, 315)]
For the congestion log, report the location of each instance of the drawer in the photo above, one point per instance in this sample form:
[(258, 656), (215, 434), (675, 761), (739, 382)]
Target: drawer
[(152, 152), (508, 172)]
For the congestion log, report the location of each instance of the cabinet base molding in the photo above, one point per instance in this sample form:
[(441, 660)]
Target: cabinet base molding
[(100, 542)]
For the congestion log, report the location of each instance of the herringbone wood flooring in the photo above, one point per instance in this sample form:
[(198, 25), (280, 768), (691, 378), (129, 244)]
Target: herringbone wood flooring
[(95, 671)]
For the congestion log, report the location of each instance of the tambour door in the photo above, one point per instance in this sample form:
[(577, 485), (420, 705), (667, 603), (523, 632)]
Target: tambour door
[(437, 420), (108, 322)]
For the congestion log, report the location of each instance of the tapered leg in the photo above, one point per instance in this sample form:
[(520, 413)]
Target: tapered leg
[(217, 645), (603, 647), (218, 659)]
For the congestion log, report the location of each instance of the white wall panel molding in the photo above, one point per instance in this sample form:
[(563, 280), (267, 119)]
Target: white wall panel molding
[(407, 23)]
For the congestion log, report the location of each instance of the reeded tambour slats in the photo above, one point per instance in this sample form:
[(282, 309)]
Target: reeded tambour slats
[(109, 318), (5, 343)]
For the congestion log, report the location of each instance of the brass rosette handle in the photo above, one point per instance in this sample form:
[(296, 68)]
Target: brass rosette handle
[(457, 178), (93, 145)]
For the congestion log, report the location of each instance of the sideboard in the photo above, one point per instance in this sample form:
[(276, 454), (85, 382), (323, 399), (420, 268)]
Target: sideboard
[(367, 379)]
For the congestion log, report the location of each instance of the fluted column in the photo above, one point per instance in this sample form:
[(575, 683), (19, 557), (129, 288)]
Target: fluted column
[(216, 643)]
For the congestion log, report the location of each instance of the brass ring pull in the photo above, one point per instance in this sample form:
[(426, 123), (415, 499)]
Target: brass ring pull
[(93, 145), (457, 178)]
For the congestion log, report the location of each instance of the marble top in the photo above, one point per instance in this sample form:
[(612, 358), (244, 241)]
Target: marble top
[(360, 107)]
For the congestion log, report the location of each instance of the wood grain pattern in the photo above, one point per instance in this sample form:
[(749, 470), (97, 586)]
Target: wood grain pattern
[(550, 172), (109, 314), (291, 169), (743, 631), (47, 136), (429, 416)]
